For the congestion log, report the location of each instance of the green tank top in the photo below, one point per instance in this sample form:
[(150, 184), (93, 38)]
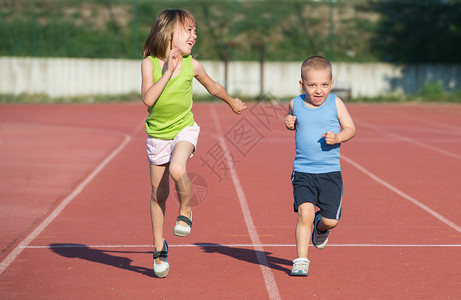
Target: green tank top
[(172, 111)]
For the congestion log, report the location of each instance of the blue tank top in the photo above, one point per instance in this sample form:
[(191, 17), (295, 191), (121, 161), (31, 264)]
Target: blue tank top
[(313, 154)]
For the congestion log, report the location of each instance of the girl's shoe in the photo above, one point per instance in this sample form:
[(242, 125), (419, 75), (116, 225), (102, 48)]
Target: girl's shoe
[(300, 267), (162, 269), (181, 230)]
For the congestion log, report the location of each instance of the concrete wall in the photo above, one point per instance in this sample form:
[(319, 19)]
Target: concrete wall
[(63, 77)]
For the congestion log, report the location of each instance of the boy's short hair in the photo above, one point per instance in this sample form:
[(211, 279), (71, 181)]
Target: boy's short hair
[(316, 63)]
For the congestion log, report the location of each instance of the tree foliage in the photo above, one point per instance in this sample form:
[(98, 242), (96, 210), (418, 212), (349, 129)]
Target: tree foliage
[(290, 30), (419, 31)]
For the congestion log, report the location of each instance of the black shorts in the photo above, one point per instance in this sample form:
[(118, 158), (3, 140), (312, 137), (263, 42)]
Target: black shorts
[(323, 190)]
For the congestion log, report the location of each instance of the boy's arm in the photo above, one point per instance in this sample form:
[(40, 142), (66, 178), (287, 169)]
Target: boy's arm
[(290, 120), (216, 89), (347, 125)]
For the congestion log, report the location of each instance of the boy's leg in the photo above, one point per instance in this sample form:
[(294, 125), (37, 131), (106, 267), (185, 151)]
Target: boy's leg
[(326, 224), (160, 192), (305, 198), (330, 202), (181, 154), (303, 231), (320, 236)]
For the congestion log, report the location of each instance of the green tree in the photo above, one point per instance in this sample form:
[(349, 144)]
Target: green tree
[(419, 31)]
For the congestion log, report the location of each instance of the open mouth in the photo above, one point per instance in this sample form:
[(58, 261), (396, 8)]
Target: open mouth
[(318, 98)]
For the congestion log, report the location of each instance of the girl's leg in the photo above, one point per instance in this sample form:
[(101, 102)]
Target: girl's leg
[(160, 191), (181, 154), (306, 213)]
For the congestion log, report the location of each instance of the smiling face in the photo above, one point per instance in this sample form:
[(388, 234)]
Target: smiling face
[(184, 37), (317, 84)]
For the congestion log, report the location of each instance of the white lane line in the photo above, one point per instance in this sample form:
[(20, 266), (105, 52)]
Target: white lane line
[(93, 247), (271, 285), (424, 145), (25, 242), (402, 194), (410, 140)]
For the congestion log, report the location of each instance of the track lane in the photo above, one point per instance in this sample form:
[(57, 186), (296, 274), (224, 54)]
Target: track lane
[(373, 216)]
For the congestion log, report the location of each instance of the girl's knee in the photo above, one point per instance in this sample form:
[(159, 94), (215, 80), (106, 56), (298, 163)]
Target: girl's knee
[(177, 171), (160, 195)]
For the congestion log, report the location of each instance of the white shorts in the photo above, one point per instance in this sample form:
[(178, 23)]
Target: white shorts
[(159, 151)]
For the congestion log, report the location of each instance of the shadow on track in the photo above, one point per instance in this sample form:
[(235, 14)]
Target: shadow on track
[(248, 255), (100, 256)]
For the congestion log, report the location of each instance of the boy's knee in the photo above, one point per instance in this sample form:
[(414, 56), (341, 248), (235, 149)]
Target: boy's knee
[(330, 223), (306, 215)]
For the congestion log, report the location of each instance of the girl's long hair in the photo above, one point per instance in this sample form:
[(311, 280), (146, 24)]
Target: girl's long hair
[(162, 31)]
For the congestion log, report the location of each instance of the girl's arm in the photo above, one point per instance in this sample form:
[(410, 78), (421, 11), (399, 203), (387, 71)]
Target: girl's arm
[(216, 89), (348, 127), (150, 90)]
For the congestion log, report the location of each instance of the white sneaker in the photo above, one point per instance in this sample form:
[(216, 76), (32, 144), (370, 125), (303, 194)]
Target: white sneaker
[(161, 270), (300, 267), (319, 239), (181, 230)]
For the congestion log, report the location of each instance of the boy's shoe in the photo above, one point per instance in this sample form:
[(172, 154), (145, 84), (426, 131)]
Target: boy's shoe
[(300, 267), (161, 270), (319, 239)]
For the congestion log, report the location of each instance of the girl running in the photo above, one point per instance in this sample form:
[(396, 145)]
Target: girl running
[(167, 71)]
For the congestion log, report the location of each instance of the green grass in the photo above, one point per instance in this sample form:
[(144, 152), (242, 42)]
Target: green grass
[(443, 98), (134, 97), (32, 99)]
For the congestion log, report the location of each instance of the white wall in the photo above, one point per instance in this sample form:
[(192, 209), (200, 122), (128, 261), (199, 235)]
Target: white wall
[(68, 77), (61, 77)]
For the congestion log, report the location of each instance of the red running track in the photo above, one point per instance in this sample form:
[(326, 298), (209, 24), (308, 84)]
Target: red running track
[(74, 193)]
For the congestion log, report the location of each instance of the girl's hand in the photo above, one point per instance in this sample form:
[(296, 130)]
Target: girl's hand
[(330, 138), (173, 60), (290, 122), (238, 106)]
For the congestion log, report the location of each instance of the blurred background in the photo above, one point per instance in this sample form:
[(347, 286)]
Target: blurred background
[(391, 50)]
